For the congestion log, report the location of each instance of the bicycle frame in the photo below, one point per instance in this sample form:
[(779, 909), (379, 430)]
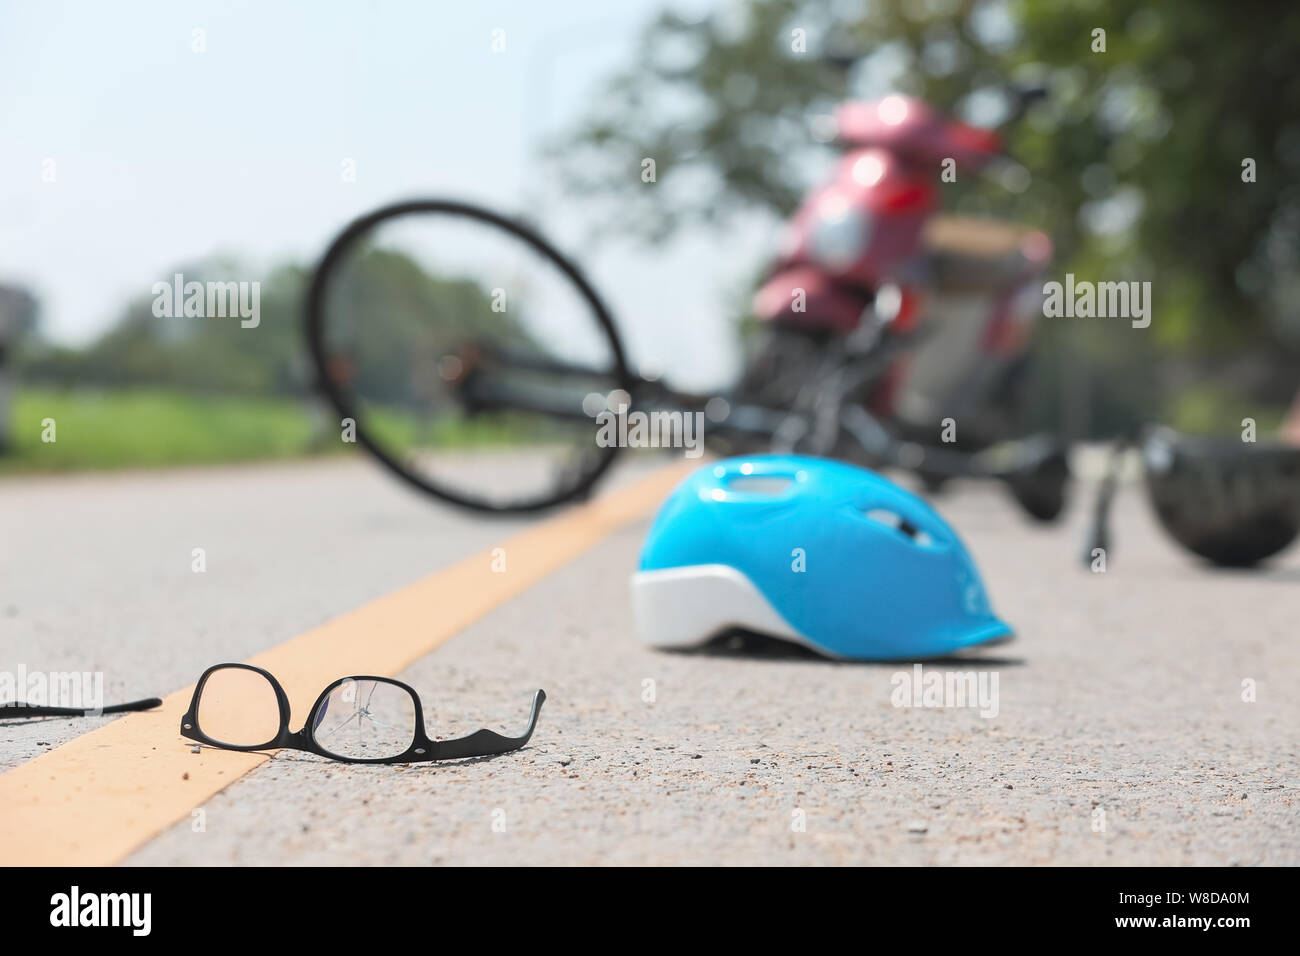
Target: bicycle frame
[(825, 413)]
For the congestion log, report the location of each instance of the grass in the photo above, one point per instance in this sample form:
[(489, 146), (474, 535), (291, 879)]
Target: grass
[(156, 427), (142, 428)]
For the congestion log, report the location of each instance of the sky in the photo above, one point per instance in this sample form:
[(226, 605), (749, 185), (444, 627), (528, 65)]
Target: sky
[(160, 154)]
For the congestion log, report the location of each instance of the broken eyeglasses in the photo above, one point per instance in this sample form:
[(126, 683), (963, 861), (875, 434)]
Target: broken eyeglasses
[(8, 711), (355, 719)]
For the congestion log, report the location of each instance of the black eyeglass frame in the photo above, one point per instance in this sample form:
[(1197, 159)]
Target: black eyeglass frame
[(481, 743)]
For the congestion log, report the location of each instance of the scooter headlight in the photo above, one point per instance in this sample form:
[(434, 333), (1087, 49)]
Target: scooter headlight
[(840, 234)]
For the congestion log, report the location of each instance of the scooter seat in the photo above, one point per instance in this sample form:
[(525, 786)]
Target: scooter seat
[(965, 254)]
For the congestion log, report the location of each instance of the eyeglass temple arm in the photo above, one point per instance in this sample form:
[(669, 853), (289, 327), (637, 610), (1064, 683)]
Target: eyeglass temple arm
[(484, 743), (38, 710)]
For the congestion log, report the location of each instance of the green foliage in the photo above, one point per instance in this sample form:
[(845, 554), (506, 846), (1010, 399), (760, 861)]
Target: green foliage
[(1207, 410), (158, 390), (205, 355), (149, 427), (1136, 158), (152, 427), (385, 309), (394, 321)]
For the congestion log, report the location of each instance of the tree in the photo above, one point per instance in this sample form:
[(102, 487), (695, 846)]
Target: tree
[(385, 302), (1137, 159)]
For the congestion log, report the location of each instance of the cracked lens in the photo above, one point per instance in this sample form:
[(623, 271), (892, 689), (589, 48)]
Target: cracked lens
[(366, 719)]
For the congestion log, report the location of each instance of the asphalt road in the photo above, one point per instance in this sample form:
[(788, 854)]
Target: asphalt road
[(1120, 736)]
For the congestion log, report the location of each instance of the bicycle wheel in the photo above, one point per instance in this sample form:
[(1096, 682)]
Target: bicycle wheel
[(468, 355)]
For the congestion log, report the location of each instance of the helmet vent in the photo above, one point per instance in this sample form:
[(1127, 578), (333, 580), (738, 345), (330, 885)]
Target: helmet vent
[(900, 524), (768, 485)]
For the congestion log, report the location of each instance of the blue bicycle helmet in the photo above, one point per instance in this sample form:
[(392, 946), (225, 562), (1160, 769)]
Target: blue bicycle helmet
[(810, 550)]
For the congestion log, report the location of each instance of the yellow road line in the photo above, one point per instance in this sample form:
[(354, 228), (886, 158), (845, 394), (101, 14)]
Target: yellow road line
[(95, 799)]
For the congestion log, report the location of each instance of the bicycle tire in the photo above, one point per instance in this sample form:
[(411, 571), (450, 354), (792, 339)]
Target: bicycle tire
[(315, 332)]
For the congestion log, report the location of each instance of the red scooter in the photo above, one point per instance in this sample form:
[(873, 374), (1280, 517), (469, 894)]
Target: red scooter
[(870, 264), (891, 335)]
